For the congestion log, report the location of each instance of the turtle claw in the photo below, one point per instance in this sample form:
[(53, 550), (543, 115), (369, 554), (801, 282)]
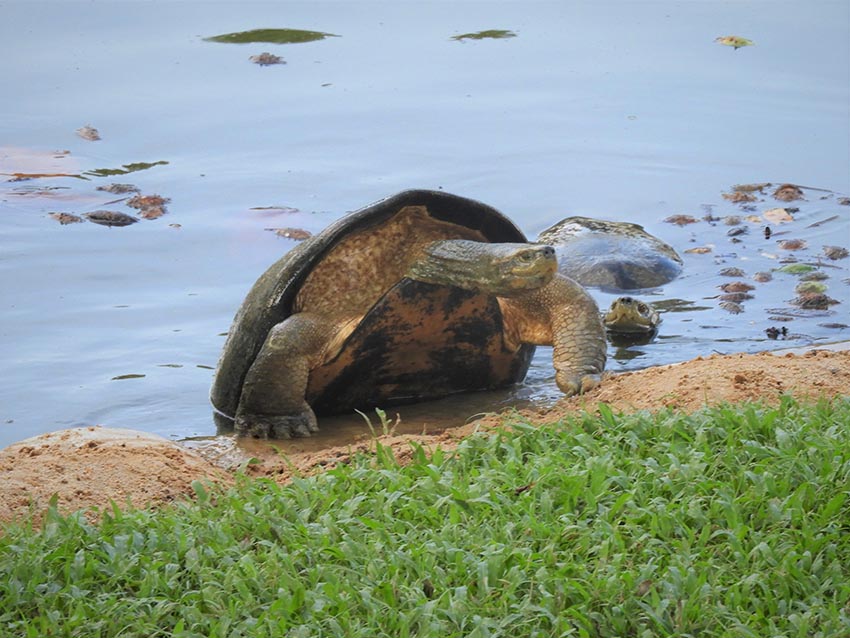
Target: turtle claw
[(276, 426), (572, 384)]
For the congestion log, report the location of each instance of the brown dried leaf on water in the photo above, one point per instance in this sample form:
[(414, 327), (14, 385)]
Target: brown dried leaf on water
[(681, 220), (735, 297), (699, 250), (739, 197), (732, 220), (814, 301), (110, 218), (788, 193), (147, 201), (89, 133), (792, 244), (815, 275), (118, 189), (267, 59), (66, 218), (835, 252), (297, 234), (762, 277), (732, 272), (778, 215), (152, 212), (732, 307), (736, 286), (753, 219)]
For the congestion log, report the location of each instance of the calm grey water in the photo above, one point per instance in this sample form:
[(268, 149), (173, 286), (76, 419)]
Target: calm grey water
[(622, 110)]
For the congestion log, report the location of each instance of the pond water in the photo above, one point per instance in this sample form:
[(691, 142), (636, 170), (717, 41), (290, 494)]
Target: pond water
[(619, 110)]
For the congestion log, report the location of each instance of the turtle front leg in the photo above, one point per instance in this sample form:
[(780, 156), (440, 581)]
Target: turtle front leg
[(272, 403), (578, 336), (563, 315)]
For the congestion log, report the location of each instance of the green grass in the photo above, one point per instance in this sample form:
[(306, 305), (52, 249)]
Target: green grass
[(731, 522)]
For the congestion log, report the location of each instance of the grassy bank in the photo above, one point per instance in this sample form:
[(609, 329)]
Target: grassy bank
[(731, 522)]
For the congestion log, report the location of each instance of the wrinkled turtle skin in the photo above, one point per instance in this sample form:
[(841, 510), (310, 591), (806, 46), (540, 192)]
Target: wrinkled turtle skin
[(630, 316), (610, 255), (415, 297)]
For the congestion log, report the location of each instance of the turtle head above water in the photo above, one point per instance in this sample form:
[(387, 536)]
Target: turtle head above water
[(628, 315), (499, 269)]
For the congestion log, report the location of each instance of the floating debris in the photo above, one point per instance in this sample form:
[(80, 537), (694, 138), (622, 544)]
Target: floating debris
[(272, 36), (736, 286), (298, 234), (152, 212), (126, 168), (734, 41), (699, 250), (732, 220), (732, 307), (118, 189), (814, 301), (66, 218), (110, 218), (788, 193), (285, 210), (762, 277), (681, 220), (835, 252), (121, 377), (737, 230), (491, 34), (815, 275), (778, 215), (147, 201), (751, 188), (806, 287), (739, 197), (834, 326), (796, 269), (844, 201), (88, 133), (792, 244), (267, 59), (732, 272), (736, 296)]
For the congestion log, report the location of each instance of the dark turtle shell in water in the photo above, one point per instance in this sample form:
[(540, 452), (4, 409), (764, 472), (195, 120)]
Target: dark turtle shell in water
[(611, 255)]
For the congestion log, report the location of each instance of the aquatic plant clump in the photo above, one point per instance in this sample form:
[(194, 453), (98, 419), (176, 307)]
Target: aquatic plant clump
[(272, 36)]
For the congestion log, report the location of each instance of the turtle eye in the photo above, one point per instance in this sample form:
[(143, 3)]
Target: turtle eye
[(526, 256), (643, 308)]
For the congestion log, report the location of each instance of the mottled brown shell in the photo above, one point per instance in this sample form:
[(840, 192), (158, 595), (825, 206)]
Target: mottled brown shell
[(418, 341)]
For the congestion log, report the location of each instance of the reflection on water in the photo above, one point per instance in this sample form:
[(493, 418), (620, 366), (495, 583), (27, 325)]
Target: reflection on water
[(576, 115)]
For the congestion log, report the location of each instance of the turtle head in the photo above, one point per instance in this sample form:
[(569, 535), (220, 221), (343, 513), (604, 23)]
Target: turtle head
[(630, 315), (500, 269)]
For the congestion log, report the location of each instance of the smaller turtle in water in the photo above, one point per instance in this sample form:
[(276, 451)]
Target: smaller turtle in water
[(630, 316), (611, 255)]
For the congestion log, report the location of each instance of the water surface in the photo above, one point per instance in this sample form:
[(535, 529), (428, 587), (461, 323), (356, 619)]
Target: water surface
[(619, 110)]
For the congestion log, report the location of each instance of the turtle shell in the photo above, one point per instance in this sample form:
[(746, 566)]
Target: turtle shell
[(616, 256), (416, 342)]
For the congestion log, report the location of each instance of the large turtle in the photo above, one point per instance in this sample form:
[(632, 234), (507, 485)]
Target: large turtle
[(415, 297)]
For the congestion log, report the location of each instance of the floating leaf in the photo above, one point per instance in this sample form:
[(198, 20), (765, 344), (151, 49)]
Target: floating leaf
[(835, 252), (66, 218), (792, 244), (273, 36), (681, 220), (788, 193), (121, 377), (126, 168), (110, 218), (734, 41), (699, 250), (297, 234), (493, 34), (778, 215), (118, 189), (267, 59), (796, 269), (88, 133)]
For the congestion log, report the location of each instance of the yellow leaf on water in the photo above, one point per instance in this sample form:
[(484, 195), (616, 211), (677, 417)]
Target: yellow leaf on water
[(777, 215), (734, 41)]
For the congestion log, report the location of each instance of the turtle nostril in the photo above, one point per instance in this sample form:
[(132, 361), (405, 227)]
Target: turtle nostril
[(548, 251), (627, 300)]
